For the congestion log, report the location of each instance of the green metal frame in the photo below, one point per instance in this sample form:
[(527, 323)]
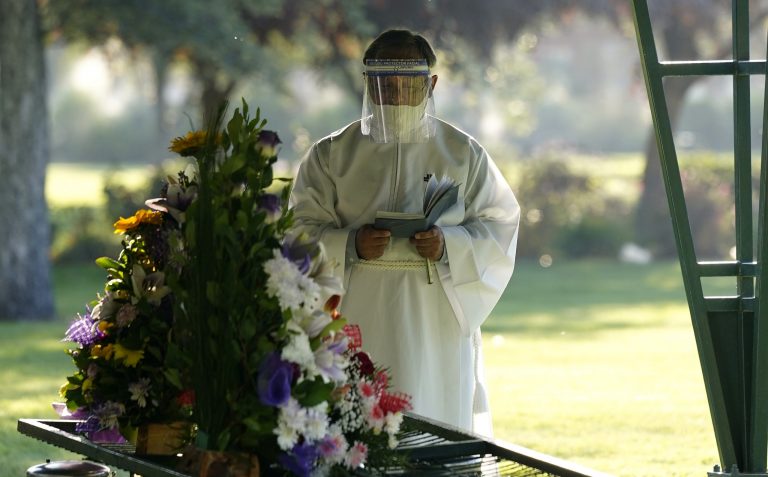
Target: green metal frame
[(731, 332)]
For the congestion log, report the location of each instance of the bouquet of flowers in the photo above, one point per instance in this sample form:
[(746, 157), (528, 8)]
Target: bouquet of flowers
[(128, 371), (214, 297), (276, 369)]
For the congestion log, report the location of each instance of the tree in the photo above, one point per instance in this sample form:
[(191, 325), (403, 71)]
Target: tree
[(685, 30), (25, 284)]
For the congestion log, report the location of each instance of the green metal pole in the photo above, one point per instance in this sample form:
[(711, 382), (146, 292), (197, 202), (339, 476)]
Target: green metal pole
[(738, 382), (759, 402), (653, 73)]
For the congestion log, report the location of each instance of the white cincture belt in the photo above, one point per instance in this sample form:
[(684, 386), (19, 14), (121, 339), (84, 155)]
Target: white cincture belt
[(394, 264)]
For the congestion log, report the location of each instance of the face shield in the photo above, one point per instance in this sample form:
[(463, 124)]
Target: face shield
[(397, 102)]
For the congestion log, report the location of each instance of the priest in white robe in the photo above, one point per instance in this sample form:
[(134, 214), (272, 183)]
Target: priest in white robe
[(418, 300)]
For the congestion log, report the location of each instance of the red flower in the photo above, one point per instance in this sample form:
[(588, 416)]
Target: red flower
[(186, 398), (364, 363)]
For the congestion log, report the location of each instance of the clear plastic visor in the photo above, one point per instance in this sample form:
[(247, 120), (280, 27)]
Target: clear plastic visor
[(397, 102), (397, 89)]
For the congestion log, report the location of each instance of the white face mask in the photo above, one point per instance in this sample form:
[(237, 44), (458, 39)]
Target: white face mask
[(398, 123), (397, 101)]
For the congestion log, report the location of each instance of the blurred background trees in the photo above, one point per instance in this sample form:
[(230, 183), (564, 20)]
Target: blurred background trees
[(552, 88), (24, 236)]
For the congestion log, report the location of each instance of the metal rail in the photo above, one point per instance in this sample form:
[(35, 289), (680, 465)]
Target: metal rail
[(430, 449)]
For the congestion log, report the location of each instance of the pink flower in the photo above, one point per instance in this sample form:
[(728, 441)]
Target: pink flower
[(376, 418), (366, 389), (332, 448), (356, 456)]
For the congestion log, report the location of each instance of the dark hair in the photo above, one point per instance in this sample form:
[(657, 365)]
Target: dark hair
[(400, 42)]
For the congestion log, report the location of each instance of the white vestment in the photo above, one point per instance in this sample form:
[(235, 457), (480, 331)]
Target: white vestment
[(428, 335)]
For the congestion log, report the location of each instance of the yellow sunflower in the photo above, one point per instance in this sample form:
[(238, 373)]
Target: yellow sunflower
[(189, 143), (143, 216)]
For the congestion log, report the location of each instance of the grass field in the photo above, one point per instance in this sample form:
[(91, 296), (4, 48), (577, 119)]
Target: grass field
[(593, 362)]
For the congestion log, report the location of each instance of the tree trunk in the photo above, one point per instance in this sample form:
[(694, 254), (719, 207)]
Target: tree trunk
[(653, 227), (25, 279), (215, 90), (653, 223)]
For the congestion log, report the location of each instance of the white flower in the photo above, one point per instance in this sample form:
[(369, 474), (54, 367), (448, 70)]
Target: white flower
[(139, 391), (317, 422), (283, 281), (290, 424), (299, 351), (286, 436), (108, 413), (392, 422), (312, 322), (292, 288)]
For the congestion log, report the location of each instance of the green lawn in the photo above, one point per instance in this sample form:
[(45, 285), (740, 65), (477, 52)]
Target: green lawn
[(596, 363), (593, 362)]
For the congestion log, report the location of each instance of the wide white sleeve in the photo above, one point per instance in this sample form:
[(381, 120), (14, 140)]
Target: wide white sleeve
[(312, 198), (481, 250)]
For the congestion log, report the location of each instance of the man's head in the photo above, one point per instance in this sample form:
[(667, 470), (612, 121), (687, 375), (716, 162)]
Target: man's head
[(397, 104), (401, 45)]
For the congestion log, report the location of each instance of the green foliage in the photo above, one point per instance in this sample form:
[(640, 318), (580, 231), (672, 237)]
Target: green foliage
[(78, 235), (565, 212), (221, 297), (709, 197)]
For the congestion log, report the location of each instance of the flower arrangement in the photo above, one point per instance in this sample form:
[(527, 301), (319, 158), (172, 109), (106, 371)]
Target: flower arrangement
[(216, 296), (276, 369), (128, 373)]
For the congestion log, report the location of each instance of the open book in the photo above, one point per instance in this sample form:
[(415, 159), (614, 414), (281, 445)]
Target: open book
[(439, 196)]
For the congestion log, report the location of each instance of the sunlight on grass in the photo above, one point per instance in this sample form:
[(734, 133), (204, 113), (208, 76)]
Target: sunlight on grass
[(631, 403), (83, 184)]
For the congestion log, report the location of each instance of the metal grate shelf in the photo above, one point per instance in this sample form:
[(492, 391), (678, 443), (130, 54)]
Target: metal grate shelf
[(431, 449)]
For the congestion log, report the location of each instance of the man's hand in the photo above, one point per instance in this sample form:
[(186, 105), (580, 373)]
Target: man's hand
[(370, 242), (430, 243)]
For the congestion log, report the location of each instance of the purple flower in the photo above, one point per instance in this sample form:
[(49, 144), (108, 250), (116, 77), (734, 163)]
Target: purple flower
[(268, 141), (93, 428), (274, 382), (83, 330), (300, 251), (270, 204), (331, 360), (300, 460)]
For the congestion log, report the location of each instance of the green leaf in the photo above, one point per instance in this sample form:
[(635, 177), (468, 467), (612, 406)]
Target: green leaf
[(333, 326), (108, 263), (213, 292), (314, 392), (173, 377)]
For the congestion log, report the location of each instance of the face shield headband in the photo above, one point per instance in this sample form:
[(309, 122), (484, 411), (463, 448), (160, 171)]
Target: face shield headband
[(397, 101)]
